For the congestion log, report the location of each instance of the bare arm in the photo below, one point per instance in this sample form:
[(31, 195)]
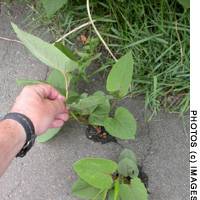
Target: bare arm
[(12, 139), (44, 106)]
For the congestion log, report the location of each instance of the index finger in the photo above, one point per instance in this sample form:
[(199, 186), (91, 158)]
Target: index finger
[(48, 92)]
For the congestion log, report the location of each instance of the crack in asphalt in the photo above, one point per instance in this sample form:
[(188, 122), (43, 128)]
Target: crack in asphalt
[(150, 146)]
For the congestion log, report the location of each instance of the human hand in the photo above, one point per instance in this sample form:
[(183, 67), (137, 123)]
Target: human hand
[(43, 105)]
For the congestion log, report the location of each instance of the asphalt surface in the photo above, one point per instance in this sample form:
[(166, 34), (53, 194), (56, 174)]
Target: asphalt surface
[(46, 172)]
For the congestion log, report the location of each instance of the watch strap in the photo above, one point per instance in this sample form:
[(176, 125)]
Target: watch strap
[(28, 126)]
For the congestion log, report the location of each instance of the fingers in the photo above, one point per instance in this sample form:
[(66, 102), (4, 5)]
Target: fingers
[(62, 116), (57, 123), (46, 91), (51, 93), (43, 105), (59, 120), (56, 107)]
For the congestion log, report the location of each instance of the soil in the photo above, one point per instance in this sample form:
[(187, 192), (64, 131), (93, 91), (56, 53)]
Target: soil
[(142, 175), (99, 134)]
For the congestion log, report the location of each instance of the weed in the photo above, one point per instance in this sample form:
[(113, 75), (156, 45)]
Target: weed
[(157, 33), (107, 180)]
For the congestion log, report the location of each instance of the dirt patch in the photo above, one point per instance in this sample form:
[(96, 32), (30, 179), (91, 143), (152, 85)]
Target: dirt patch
[(99, 134)]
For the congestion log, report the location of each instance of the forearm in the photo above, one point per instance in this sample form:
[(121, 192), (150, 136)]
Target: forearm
[(44, 107), (12, 139)]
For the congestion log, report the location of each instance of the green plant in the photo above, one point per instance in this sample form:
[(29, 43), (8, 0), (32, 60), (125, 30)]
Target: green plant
[(157, 33), (185, 3), (52, 6), (101, 179), (67, 70)]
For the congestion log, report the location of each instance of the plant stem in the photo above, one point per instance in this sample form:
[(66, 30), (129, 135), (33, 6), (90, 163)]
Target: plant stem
[(66, 86), (97, 32), (116, 189), (74, 30), (74, 116), (10, 40)]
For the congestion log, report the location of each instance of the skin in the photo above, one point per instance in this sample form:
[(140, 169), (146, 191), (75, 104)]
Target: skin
[(44, 106)]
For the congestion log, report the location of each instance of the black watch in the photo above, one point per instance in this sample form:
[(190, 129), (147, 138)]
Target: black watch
[(29, 130)]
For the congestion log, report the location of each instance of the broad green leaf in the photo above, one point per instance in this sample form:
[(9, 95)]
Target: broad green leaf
[(120, 76), (48, 135), (127, 153), (127, 167), (97, 172), (101, 112), (122, 126), (138, 189), (87, 105), (73, 97), (135, 191), (45, 52), (24, 82), (102, 195), (51, 6), (57, 80), (185, 3), (83, 190), (66, 51), (125, 192), (111, 195)]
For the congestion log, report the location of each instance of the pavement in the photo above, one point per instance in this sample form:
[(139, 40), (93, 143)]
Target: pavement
[(46, 172)]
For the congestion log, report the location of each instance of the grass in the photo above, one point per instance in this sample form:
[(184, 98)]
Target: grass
[(157, 32)]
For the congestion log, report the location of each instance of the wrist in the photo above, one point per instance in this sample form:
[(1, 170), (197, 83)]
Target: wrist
[(29, 130), (18, 135)]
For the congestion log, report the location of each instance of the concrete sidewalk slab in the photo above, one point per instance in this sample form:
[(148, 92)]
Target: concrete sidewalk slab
[(16, 60), (46, 172)]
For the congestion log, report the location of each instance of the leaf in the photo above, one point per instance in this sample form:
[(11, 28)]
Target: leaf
[(127, 167), (48, 135), (122, 126), (83, 190), (102, 195), (66, 51), (127, 153), (101, 112), (185, 3), (87, 105), (135, 191), (45, 52), (51, 6), (96, 171), (120, 76), (138, 189), (111, 194), (73, 97), (57, 80)]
